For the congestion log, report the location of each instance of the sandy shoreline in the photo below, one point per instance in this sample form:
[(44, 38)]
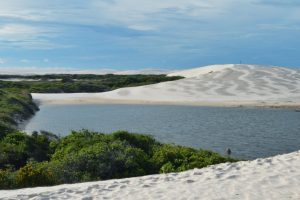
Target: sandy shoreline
[(89, 98)]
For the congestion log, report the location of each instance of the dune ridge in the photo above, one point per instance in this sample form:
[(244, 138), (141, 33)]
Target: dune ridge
[(216, 85)]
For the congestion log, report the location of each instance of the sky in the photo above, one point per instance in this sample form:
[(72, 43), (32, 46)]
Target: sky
[(140, 34)]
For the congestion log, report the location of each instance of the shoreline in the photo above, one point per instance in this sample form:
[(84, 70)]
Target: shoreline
[(103, 101)]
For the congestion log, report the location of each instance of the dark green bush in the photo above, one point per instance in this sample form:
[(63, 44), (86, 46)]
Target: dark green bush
[(174, 158), (17, 148), (144, 142), (102, 161), (5, 129)]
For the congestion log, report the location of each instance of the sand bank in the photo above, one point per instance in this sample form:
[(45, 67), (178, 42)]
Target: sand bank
[(217, 85)]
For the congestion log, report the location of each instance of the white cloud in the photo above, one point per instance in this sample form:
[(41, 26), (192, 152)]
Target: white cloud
[(24, 61), (143, 15), (172, 24), (2, 61), (28, 36), (18, 30), (156, 14), (279, 27), (45, 60), (136, 14)]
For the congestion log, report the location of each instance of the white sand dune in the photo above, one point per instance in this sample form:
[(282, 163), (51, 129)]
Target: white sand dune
[(225, 85), (275, 178)]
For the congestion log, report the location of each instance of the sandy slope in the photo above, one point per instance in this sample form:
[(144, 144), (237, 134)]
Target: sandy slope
[(211, 85), (270, 178)]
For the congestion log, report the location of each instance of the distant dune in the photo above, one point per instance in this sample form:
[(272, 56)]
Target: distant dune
[(59, 70), (216, 85), (270, 178)]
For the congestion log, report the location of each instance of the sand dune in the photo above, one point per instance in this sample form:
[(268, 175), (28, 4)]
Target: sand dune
[(270, 178), (230, 85)]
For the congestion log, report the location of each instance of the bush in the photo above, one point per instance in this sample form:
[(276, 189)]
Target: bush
[(102, 161), (35, 174), (5, 129), (174, 158), (75, 142), (144, 142), (17, 148), (13, 150), (7, 179)]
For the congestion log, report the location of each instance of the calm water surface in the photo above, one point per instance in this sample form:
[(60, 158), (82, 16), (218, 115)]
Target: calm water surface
[(249, 132)]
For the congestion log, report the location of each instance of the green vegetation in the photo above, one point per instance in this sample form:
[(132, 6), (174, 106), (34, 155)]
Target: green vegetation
[(82, 83), (44, 159), (15, 105)]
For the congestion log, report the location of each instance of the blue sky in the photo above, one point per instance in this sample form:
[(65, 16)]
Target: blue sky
[(139, 34)]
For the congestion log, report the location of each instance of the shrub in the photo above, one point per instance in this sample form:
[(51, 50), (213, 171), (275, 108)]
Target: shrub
[(5, 129), (17, 148), (13, 151), (102, 161), (75, 142), (7, 179), (144, 142), (174, 158), (35, 174)]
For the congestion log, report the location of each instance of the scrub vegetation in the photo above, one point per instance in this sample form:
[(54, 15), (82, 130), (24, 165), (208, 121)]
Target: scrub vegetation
[(44, 159)]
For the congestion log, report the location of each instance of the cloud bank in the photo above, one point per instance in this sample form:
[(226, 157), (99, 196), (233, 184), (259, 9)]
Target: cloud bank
[(139, 33)]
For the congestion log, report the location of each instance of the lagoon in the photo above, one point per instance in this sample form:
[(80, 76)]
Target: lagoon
[(249, 132)]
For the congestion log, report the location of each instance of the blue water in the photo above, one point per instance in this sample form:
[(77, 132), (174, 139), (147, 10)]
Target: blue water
[(249, 132)]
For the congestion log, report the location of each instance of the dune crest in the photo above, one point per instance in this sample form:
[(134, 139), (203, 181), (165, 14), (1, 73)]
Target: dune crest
[(201, 70), (216, 85)]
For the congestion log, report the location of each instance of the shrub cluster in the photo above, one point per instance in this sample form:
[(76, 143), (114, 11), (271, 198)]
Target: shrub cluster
[(44, 159)]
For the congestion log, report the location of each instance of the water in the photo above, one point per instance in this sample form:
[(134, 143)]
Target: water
[(250, 133)]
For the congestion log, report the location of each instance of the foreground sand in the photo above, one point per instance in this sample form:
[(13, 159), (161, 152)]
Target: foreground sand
[(270, 178), (217, 85)]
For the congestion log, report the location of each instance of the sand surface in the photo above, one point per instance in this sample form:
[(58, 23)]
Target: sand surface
[(270, 178), (217, 85)]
